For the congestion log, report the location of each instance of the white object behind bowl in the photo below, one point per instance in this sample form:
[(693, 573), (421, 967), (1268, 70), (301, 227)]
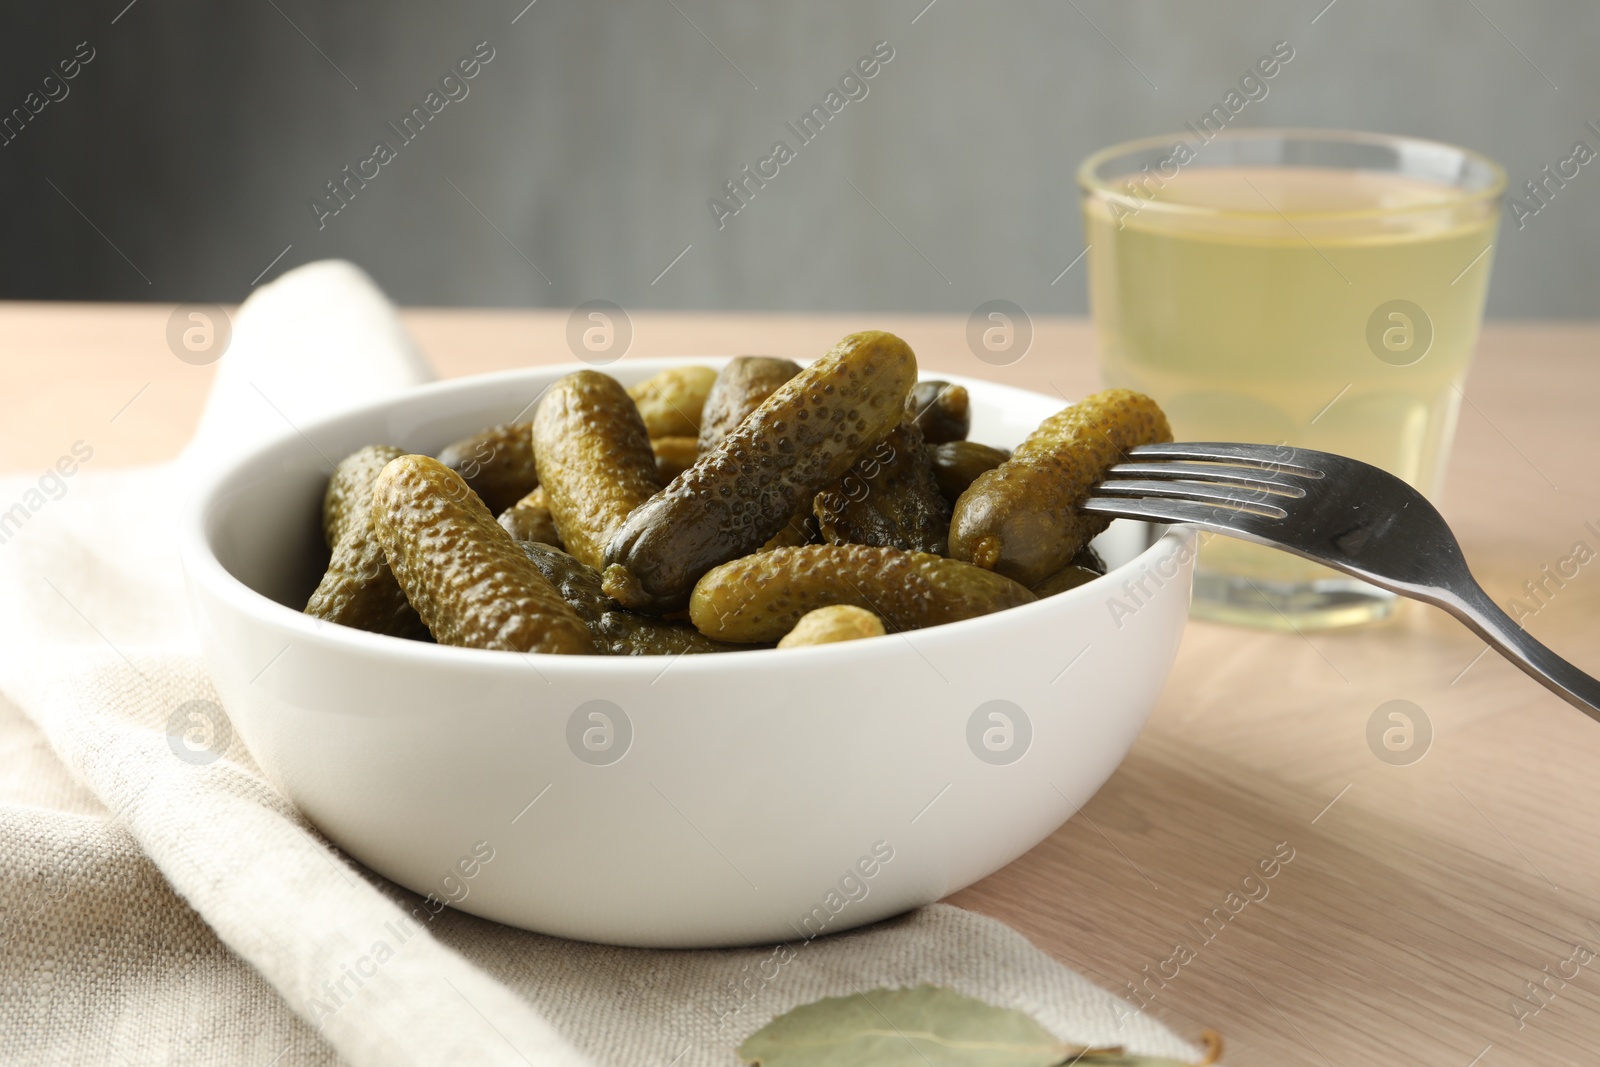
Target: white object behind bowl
[(754, 781)]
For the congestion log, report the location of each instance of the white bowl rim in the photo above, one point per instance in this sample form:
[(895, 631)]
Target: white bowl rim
[(203, 567)]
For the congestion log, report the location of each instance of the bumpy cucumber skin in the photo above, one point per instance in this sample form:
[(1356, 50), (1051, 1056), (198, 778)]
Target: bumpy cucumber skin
[(1022, 519), (358, 589), (943, 412), (529, 520), (768, 469), (957, 464), (889, 497), (670, 402), (742, 385), (595, 461), (497, 464), (463, 573), (832, 624), (616, 630), (762, 597), (348, 499)]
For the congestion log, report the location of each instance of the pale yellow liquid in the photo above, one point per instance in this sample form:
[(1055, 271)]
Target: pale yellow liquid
[(1249, 322)]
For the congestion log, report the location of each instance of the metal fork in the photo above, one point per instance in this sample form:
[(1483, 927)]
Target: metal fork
[(1339, 512)]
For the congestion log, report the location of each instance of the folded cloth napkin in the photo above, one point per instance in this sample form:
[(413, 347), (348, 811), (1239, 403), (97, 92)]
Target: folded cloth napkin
[(157, 910)]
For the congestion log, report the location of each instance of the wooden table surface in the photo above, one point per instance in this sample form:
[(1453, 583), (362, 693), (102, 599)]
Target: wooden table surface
[(1422, 900)]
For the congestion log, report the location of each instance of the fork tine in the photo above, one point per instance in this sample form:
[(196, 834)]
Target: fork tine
[(1232, 521), (1280, 458), (1229, 497), (1250, 477)]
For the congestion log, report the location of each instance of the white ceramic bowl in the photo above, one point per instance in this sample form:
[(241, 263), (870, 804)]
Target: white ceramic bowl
[(716, 800)]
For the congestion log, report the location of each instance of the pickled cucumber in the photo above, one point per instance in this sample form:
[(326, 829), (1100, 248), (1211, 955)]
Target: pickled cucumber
[(762, 597), (358, 589), (463, 573), (837, 622), (348, 499), (595, 462), (1022, 518), (616, 630), (890, 497), (670, 402), (529, 520), (957, 464), (674, 455), (497, 464), (739, 494), (1086, 566), (741, 387), (943, 412), (1069, 577)]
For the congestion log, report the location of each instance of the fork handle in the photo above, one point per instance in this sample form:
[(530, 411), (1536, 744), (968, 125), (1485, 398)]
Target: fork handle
[(1468, 602)]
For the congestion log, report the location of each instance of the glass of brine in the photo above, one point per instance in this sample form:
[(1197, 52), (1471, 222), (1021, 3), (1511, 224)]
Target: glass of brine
[(1322, 289)]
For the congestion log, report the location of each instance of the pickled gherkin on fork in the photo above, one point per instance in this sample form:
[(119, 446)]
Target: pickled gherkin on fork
[(1022, 519)]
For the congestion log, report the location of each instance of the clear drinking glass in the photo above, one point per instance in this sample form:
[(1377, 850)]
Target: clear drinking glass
[(1320, 288)]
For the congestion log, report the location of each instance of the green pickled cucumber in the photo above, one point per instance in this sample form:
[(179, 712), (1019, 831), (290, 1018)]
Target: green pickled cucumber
[(742, 385), (762, 597), (463, 573), (1086, 566), (670, 402), (616, 630), (832, 624), (674, 455), (957, 464), (497, 464), (358, 589), (1069, 577), (765, 471), (890, 497), (529, 520), (348, 499), (943, 412), (595, 462), (1022, 519)]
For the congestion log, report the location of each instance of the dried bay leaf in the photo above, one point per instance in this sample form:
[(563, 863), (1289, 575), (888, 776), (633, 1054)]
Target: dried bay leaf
[(929, 1026)]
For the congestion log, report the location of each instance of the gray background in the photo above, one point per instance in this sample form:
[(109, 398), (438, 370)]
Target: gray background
[(592, 141)]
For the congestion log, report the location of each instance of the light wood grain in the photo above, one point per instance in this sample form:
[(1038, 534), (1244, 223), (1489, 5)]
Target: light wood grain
[(1416, 906)]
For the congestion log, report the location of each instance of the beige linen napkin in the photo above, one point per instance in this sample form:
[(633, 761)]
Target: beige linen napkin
[(157, 910)]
